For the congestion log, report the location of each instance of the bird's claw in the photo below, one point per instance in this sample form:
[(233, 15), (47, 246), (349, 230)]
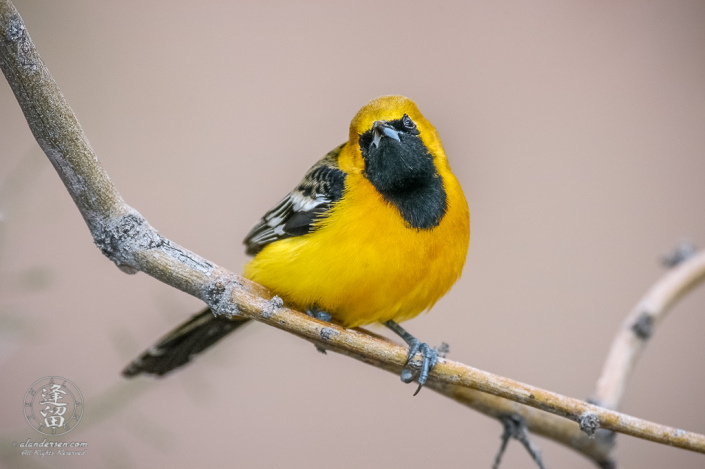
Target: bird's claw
[(321, 316), (413, 348), (430, 358), (318, 314), (430, 355)]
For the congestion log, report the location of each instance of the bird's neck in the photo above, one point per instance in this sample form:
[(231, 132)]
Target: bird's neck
[(420, 199)]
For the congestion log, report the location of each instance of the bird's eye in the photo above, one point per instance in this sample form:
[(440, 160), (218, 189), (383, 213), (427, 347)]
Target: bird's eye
[(408, 123)]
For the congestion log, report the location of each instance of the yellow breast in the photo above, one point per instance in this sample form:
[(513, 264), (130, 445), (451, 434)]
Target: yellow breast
[(364, 263)]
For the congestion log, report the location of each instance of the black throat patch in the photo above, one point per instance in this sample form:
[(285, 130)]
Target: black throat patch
[(404, 173)]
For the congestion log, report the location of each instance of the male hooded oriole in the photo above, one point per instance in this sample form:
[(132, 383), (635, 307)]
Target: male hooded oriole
[(377, 231)]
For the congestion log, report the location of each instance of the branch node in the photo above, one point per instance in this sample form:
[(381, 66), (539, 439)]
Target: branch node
[(683, 251), (15, 29), (643, 327), (16, 33), (272, 306), (589, 423), (515, 427), (120, 238), (442, 350), (217, 295), (328, 332)]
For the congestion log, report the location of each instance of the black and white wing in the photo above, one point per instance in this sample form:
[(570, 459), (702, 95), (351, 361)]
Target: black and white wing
[(294, 216), (321, 187)]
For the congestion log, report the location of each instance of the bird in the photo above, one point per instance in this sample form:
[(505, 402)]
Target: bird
[(377, 231)]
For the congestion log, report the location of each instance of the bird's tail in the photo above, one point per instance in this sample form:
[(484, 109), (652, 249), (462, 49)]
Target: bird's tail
[(179, 346)]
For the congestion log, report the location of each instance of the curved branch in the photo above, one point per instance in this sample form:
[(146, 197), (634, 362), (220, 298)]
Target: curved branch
[(126, 238), (638, 327)]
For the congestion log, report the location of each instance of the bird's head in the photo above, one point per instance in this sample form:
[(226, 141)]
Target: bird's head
[(396, 145)]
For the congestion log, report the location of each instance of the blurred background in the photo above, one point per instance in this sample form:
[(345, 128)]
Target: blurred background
[(575, 128)]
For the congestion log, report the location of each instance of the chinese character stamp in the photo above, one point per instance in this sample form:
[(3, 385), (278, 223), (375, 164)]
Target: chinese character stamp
[(53, 406)]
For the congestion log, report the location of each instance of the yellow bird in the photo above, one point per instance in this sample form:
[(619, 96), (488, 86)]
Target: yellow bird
[(376, 231)]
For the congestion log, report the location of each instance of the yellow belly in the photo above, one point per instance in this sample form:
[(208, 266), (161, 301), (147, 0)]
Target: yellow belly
[(364, 263)]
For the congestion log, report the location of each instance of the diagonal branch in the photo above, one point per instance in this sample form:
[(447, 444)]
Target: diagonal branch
[(126, 238), (383, 354), (542, 423)]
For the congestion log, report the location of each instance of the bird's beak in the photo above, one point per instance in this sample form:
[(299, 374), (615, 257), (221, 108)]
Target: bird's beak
[(382, 129)]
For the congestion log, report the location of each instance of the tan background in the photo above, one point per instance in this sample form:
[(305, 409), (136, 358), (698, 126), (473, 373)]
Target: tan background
[(575, 128)]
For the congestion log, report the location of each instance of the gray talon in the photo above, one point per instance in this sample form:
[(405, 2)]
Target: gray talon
[(413, 349), (430, 358), (407, 376), (318, 314), (434, 359), (430, 355), (323, 316)]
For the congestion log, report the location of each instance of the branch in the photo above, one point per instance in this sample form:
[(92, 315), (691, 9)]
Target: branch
[(542, 423), (126, 238), (639, 326)]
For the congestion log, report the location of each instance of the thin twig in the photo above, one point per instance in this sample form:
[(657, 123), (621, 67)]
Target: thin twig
[(515, 427), (126, 238)]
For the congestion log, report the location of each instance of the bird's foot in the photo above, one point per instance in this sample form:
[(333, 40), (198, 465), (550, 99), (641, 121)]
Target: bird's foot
[(429, 355), (318, 314), (429, 359), (321, 316)]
